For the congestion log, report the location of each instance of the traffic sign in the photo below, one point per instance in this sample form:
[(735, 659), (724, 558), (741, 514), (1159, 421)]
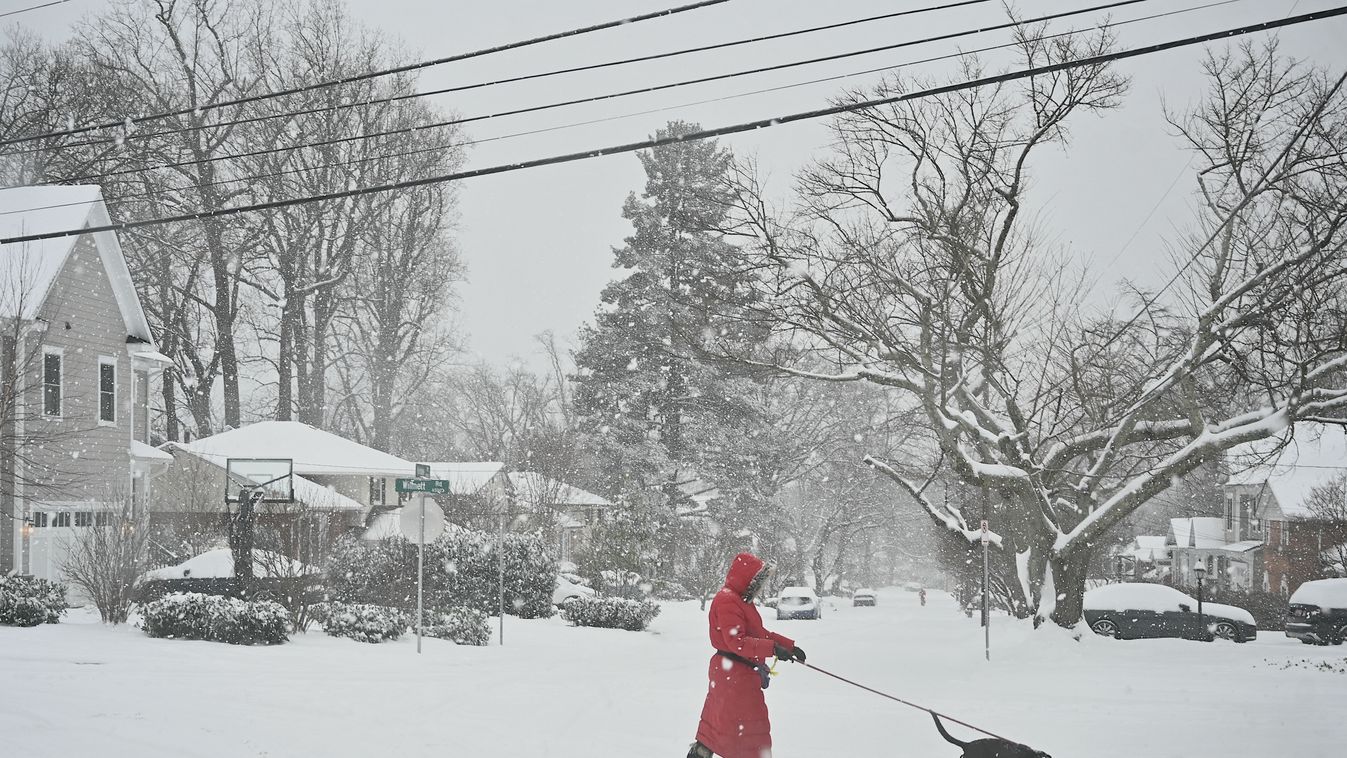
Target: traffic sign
[(410, 520), (428, 486)]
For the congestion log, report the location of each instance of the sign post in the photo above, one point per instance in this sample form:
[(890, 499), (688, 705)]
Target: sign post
[(421, 523), (986, 612)]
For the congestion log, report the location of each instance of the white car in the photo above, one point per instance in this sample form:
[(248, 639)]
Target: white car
[(863, 596), (568, 589), (798, 603)]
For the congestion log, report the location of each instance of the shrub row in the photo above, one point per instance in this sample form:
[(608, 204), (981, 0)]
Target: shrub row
[(363, 622), (193, 616), (29, 601), (611, 612), (463, 626), (461, 570)]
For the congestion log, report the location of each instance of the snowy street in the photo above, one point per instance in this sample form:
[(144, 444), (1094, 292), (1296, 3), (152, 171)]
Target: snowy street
[(566, 692)]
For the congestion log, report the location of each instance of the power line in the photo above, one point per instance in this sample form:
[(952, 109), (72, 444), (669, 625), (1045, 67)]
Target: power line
[(705, 133), (526, 77), (452, 145), (371, 74), (596, 98), (33, 8)]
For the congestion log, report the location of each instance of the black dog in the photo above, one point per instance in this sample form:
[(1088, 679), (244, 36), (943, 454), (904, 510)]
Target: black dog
[(990, 747)]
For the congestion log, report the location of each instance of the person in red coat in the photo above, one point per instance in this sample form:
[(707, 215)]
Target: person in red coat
[(734, 718)]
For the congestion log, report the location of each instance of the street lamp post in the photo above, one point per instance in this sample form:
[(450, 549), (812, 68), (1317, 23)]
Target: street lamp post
[(1201, 571)]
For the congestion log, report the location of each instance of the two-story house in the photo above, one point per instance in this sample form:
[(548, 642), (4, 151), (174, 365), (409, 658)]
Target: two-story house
[(76, 362), (1268, 498)]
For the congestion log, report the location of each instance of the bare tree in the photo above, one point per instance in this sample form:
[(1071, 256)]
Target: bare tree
[(106, 560), (1327, 510), (909, 265)]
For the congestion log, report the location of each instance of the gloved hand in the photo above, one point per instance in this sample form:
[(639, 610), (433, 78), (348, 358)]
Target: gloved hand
[(797, 654), (794, 654)]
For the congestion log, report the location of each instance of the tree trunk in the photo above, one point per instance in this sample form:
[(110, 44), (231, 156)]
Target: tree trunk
[(1068, 584), (285, 365)]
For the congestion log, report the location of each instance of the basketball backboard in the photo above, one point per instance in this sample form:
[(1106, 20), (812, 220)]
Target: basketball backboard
[(275, 476)]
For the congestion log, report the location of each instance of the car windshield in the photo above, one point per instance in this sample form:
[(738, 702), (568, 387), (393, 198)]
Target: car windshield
[(794, 600)]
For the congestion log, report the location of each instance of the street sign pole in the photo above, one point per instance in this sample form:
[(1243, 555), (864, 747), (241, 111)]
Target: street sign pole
[(986, 614), (500, 559), (420, 572)]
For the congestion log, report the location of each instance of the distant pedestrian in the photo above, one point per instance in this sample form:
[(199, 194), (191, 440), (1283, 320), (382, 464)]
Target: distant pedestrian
[(921, 593), (734, 720)]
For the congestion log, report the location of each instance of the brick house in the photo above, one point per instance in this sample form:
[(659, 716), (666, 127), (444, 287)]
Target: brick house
[(76, 362), (1268, 495)]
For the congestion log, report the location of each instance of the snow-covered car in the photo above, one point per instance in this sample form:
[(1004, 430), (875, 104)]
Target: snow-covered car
[(1317, 614), (863, 596), (1134, 610), (798, 603), (568, 589)]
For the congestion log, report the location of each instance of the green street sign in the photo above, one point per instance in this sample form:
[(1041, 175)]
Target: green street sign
[(428, 486)]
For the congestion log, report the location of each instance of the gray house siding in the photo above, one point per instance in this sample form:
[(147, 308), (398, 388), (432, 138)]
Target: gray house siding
[(85, 459)]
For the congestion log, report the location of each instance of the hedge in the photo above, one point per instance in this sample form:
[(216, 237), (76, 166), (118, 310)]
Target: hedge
[(194, 616), (29, 601), (611, 612)]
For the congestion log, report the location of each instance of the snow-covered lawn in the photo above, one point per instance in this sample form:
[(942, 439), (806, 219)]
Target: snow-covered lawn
[(79, 688)]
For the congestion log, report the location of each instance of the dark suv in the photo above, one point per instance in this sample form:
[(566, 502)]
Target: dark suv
[(1318, 612)]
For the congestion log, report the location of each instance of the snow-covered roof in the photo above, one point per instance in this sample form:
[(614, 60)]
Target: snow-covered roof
[(318, 497), (1148, 547), (314, 451), (465, 477), (1314, 454), (219, 564), (1201, 532), (148, 452), (29, 269), (1243, 547), (537, 490)]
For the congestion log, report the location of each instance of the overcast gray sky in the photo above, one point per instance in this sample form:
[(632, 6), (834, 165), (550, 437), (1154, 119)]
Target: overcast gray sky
[(538, 243)]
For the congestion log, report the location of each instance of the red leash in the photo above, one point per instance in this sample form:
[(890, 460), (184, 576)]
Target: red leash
[(905, 702)]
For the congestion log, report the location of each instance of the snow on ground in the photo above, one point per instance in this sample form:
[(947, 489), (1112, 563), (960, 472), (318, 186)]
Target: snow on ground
[(79, 688)]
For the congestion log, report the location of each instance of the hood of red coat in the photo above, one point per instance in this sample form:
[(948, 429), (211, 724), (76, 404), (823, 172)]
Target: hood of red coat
[(743, 568)]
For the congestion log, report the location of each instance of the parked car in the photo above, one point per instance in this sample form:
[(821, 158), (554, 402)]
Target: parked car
[(1318, 612), (1135, 610), (568, 589), (798, 603), (863, 596)]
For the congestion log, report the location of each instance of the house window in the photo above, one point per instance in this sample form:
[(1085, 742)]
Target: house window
[(1229, 512), (1247, 512), (377, 485), (107, 391), (51, 383), (84, 518), (39, 519), (1284, 533), (61, 518)]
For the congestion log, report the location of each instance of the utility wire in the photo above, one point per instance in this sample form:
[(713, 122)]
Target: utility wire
[(447, 146), (371, 74), (33, 8), (599, 98), (522, 78), (631, 147)]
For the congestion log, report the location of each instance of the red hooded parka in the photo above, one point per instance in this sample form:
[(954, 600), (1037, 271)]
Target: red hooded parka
[(734, 719)]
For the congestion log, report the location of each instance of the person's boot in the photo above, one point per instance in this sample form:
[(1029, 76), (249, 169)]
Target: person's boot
[(698, 750)]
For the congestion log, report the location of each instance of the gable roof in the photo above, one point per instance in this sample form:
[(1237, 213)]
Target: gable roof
[(1314, 454), (29, 269), (314, 451), (1202, 532), (310, 493), (466, 477), (535, 489)]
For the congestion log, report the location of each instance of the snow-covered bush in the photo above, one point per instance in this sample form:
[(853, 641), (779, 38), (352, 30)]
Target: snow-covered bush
[(461, 570), (363, 622), (29, 601), (193, 616), (611, 612), (464, 626)]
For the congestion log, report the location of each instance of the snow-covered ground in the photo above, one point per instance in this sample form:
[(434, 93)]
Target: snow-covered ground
[(79, 688)]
